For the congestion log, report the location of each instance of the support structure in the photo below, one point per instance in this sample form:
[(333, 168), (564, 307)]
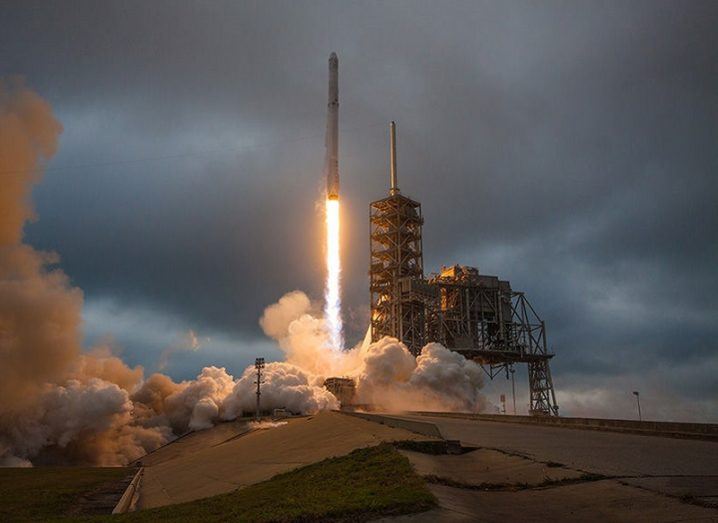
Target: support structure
[(397, 264), (259, 365), (477, 315)]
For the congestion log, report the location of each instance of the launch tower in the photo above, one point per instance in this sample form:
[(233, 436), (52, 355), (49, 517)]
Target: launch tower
[(397, 265), (477, 315)]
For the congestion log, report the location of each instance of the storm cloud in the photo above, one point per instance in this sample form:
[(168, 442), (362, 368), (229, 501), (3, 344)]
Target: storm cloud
[(569, 147)]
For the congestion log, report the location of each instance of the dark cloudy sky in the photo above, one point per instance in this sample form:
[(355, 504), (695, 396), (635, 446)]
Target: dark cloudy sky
[(570, 147)]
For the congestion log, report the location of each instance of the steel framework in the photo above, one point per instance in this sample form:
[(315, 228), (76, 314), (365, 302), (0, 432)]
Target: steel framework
[(396, 262), (484, 320), (479, 316), (476, 315)]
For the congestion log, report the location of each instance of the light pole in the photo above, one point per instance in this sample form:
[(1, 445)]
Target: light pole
[(513, 388), (638, 401), (259, 365)]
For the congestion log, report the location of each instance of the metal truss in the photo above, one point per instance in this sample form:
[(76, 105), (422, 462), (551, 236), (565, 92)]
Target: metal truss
[(486, 321), (529, 332), (476, 315), (396, 261)]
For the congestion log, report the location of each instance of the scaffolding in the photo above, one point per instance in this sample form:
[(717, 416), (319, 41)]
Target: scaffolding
[(396, 264), (482, 318), (477, 315)]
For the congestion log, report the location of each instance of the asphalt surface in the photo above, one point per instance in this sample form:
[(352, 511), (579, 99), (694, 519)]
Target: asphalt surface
[(647, 478), (608, 453), (602, 501)]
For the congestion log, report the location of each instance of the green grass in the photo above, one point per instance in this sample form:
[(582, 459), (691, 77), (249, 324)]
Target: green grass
[(39, 494), (365, 484)]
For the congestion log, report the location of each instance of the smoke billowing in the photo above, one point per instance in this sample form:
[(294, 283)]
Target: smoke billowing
[(58, 403), (61, 403), (386, 374)]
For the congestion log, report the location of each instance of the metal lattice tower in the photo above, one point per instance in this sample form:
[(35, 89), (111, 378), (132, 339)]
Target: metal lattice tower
[(259, 366), (396, 262), (476, 315)]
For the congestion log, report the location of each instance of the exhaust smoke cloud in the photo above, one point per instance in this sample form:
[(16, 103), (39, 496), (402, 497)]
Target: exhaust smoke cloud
[(63, 404), (386, 374)]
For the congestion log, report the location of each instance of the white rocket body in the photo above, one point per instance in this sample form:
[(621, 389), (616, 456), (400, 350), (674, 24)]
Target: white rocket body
[(331, 163)]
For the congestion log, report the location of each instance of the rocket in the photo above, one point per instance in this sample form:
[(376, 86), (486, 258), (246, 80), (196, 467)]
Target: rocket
[(331, 161)]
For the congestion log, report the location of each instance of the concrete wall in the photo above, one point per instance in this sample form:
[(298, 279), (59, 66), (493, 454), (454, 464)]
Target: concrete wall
[(707, 431), (128, 501)]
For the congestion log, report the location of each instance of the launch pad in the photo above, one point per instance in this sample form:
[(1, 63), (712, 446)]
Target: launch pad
[(477, 315)]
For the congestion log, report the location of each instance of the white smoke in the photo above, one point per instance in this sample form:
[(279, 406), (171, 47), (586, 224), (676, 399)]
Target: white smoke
[(285, 386), (279, 316), (198, 402), (87, 422), (386, 374)]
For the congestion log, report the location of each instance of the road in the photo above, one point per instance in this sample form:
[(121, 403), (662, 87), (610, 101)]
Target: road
[(647, 478), (608, 453)]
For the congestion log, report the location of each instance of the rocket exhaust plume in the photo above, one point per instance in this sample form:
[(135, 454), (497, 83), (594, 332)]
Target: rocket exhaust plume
[(332, 293)]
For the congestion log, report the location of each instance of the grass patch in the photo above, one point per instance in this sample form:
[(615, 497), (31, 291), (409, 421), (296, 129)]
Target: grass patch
[(363, 485), (43, 493)]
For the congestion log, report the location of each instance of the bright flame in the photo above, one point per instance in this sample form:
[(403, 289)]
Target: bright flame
[(333, 303)]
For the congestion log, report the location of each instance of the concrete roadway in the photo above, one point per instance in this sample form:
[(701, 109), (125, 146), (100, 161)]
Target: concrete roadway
[(677, 469), (608, 453)]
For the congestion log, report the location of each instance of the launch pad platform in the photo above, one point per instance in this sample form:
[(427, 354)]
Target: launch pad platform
[(477, 315)]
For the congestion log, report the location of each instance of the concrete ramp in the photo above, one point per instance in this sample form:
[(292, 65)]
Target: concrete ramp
[(418, 427), (198, 468), (195, 441)]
